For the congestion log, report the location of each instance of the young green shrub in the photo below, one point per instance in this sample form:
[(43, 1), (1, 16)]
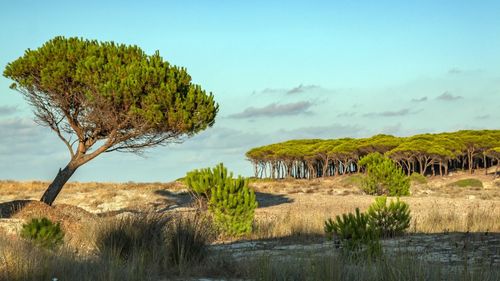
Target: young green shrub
[(43, 233), (230, 200), (356, 236), (233, 205), (135, 236), (384, 177), (389, 220), (200, 182), (188, 238)]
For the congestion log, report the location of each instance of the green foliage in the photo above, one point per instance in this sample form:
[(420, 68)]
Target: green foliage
[(202, 181), (467, 183), (418, 178), (188, 239), (383, 176), (233, 204), (127, 238), (139, 85), (43, 232), (415, 154), (353, 180), (355, 234), (230, 200), (389, 220)]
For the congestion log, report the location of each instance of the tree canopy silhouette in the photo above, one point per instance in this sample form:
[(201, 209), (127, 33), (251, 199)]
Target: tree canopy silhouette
[(102, 96), (424, 153)]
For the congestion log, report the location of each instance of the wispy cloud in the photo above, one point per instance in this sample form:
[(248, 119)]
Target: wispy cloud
[(274, 110), (7, 110), (302, 89), (455, 70), (327, 132), (460, 71), (422, 99), (447, 96), (483, 117), (347, 114), (402, 112)]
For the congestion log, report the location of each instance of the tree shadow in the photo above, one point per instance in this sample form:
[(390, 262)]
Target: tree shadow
[(269, 199), (8, 209), (181, 199), (184, 199)]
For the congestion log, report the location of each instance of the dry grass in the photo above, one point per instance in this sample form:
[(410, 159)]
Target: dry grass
[(94, 196), (429, 215)]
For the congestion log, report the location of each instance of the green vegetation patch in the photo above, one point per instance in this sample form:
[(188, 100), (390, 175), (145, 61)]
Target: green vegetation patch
[(467, 183), (353, 180), (383, 176), (418, 178), (230, 200), (43, 232)]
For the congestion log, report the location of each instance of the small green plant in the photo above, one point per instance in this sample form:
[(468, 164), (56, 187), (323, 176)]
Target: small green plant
[(201, 181), (384, 177), (389, 220), (356, 236), (467, 183), (233, 204), (43, 232), (230, 200), (418, 178)]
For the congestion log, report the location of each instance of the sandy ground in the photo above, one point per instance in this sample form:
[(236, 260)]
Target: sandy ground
[(292, 205)]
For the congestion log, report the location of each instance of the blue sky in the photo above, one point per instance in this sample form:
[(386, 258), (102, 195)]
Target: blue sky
[(278, 69)]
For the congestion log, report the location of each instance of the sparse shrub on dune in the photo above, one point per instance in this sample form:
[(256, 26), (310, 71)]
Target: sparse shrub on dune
[(356, 236), (359, 233), (201, 181), (389, 220), (383, 176), (43, 232), (230, 200)]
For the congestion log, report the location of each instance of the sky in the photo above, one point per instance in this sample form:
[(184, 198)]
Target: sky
[(279, 70)]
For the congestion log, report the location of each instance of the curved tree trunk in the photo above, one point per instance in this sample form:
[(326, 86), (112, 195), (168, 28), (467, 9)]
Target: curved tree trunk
[(496, 168), (57, 184), (484, 164)]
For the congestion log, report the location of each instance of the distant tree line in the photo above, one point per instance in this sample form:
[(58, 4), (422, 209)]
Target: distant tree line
[(427, 154)]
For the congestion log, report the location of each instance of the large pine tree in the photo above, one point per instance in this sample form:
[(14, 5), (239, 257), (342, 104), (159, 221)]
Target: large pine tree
[(102, 96)]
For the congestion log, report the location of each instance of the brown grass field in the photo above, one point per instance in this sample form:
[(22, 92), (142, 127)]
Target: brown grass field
[(291, 212)]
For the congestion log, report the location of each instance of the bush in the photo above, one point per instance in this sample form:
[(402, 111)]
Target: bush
[(43, 232), (132, 237), (389, 221), (467, 183), (230, 200), (384, 177), (200, 182), (418, 178), (355, 234), (188, 238)]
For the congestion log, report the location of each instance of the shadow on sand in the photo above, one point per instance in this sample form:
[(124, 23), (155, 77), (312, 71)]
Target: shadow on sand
[(184, 199), (8, 209)]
